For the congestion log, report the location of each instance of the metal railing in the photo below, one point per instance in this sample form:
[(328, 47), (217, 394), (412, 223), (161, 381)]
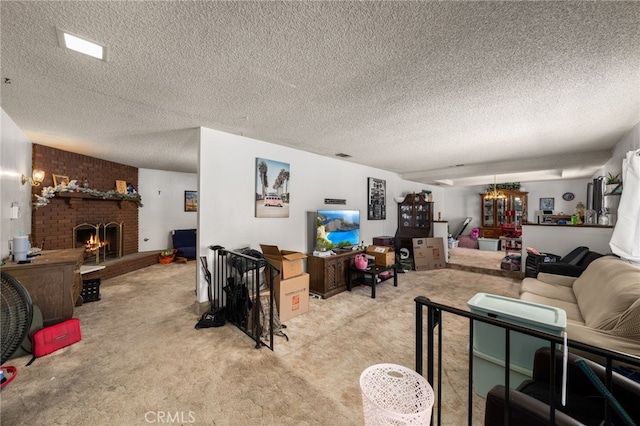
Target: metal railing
[(235, 285), (434, 322)]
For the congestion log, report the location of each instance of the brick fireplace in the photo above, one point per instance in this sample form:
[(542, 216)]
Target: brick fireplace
[(54, 223)]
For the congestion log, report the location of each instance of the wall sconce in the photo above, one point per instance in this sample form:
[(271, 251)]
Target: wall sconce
[(36, 178)]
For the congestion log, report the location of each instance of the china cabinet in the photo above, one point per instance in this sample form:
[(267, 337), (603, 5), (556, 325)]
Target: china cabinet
[(496, 212), (415, 217)]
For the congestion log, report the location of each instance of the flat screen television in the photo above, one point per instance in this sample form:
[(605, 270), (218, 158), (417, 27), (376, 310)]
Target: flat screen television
[(337, 228)]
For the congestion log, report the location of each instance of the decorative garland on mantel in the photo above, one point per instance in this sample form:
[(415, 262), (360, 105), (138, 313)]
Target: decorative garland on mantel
[(50, 191)]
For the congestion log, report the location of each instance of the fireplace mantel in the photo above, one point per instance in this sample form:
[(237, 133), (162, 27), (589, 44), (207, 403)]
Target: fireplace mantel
[(73, 198)]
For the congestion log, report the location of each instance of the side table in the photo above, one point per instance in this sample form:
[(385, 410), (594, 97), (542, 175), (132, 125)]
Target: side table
[(372, 272)]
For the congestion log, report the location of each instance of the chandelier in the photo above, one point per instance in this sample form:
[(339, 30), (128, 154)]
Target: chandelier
[(495, 194)]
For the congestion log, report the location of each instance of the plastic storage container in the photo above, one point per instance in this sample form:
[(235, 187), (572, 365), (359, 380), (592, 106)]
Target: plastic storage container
[(488, 244), (488, 340), (395, 395)]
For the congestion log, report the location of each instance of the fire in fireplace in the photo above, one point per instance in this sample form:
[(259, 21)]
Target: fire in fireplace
[(101, 241)]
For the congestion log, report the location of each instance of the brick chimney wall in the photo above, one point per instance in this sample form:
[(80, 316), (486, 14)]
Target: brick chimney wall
[(54, 222)]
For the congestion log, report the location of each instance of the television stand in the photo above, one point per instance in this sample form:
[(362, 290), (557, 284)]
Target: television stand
[(328, 275)]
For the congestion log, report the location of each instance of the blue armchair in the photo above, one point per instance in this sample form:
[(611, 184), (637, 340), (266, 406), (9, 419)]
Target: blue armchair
[(184, 240)]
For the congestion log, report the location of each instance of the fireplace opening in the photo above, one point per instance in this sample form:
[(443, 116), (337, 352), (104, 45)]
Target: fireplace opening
[(101, 241)]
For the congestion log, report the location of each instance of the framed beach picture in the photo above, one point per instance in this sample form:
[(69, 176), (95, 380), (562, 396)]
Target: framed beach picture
[(272, 188), (190, 201)]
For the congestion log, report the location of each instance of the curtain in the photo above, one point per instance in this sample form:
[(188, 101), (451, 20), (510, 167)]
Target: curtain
[(625, 240)]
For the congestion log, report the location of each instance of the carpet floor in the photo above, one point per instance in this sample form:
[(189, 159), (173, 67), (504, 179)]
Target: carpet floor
[(141, 361)]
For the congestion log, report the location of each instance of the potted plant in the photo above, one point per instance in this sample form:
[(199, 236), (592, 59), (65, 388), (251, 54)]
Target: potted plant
[(167, 256), (613, 183)]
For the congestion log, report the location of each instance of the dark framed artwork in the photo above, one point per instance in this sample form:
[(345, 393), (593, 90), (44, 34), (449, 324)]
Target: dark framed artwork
[(377, 199), (190, 201), (273, 180), (547, 204)]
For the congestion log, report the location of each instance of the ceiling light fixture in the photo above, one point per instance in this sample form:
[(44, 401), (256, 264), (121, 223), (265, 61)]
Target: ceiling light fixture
[(81, 44), (343, 155), (495, 195)]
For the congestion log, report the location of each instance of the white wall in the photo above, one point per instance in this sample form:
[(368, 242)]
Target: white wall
[(15, 159), (462, 202), (163, 207), (560, 240), (555, 189), (227, 187)]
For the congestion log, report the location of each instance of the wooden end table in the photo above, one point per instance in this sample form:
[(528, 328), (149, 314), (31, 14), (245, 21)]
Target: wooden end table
[(372, 271)]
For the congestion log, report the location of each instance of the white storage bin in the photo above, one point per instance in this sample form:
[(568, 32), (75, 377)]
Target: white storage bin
[(489, 371), (488, 340), (488, 244)]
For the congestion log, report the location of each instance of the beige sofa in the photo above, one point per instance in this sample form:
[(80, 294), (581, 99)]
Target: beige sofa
[(602, 304)]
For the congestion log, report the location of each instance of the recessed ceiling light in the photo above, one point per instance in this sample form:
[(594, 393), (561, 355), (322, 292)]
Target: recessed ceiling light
[(80, 44), (343, 155)]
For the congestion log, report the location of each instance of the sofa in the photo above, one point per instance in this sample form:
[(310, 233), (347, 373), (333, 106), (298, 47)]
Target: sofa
[(602, 304), (528, 404)]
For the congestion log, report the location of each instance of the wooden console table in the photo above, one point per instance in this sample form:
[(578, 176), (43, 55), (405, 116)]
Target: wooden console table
[(328, 275), (53, 282)]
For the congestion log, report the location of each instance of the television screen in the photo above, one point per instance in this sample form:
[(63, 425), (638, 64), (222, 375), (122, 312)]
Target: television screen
[(337, 228)]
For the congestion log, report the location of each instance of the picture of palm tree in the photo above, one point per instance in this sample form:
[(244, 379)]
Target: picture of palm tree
[(272, 188)]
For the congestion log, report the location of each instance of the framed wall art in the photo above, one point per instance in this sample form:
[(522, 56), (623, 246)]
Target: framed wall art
[(121, 186), (377, 199), (60, 180), (547, 204), (272, 197), (190, 201)]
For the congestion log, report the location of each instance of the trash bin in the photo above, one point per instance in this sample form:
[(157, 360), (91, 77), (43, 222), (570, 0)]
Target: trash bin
[(393, 394)]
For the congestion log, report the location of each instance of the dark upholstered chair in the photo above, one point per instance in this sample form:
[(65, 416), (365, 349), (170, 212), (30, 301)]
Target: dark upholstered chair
[(528, 403), (573, 264), (184, 240)]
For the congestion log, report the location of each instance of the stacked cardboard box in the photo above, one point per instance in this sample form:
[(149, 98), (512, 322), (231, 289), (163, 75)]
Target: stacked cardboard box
[(383, 256), (291, 286), (428, 253)]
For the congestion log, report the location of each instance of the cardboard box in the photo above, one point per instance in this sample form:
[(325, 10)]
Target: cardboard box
[(288, 262), (292, 296), (428, 253), (384, 256)]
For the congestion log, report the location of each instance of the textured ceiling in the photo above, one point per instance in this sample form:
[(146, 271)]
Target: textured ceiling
[(410, 87)]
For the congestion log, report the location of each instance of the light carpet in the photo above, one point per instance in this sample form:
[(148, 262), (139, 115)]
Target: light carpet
[(141, 361)]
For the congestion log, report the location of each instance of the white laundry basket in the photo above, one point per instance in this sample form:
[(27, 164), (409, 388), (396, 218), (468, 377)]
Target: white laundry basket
[(395, 395)]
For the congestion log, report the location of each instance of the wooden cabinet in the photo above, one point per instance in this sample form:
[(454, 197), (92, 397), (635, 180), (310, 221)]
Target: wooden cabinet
[(502, 211), (328, 275), (415, 217), (53, 281)]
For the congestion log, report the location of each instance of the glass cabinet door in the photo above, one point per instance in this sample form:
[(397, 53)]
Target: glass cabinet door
[(406, 216), (501, 211), (487, 212), (422, 217), (516, 206)]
